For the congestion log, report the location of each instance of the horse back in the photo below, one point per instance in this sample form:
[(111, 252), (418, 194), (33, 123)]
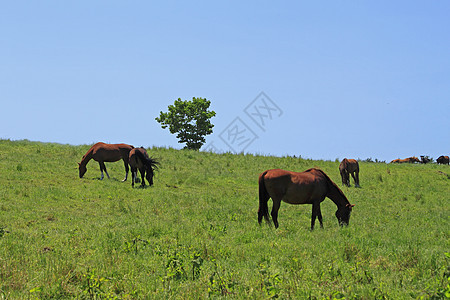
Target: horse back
[(142, 150), (352, 165), (295, 188), (413, 159), (110, 152), (443, 159), (134, 157), (348, 164)]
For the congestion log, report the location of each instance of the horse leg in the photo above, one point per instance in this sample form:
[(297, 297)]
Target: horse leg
[(274, 213), (103, 167), (133, 176), (316, 213), (106, 172), (101, 170), (142, 171), (356, 178), (125, 162), (345, 178), (149, 176), (319, 216)]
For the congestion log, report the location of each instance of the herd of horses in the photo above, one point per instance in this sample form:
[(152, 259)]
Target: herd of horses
[(309, 187), (441, 160)]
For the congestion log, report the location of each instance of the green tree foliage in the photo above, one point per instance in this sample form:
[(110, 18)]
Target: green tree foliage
[(190, 120)]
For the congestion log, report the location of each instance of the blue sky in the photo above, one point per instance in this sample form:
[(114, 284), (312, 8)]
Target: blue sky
[(339, 78)]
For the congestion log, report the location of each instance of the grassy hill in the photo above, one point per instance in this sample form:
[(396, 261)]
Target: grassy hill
[(194, 234)]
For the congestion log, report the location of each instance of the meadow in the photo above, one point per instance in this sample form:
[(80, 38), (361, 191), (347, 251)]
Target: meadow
[(194, 234)]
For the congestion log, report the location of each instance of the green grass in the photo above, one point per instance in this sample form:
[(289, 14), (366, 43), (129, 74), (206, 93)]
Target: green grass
[(195, 234)]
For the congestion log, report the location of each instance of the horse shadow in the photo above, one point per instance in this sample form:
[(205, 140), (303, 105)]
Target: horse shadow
[(355, 186), (107, 179)]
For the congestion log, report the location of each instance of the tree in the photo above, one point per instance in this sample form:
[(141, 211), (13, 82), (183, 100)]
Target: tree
[(190, 119)]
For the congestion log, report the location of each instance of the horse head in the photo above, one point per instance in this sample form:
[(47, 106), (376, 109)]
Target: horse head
[(82, 169), (343, 214), (345, 177), (149, 176), (344, 173), (152, 164)]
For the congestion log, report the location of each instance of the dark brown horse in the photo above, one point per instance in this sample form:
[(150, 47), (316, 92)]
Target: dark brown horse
[(309, 187), (347, 167), (139, 159), (425, 159), (443, 159), (102, 153), (410, 160)]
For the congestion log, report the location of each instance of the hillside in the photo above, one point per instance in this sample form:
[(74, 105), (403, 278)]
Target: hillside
[(195, 233)]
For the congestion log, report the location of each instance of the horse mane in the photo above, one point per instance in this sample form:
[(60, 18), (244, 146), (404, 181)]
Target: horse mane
[(332, 186), (150, 162), (88, 153)]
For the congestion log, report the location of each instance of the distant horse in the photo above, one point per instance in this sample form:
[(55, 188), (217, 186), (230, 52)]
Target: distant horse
[(139, 159), (308, 187), (443, 159), (102, 153), (425, 159), (410, 160), (349, 166)]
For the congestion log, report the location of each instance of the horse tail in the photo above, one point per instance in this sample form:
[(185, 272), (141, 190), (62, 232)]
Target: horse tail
[(357, 166), (264, 196)]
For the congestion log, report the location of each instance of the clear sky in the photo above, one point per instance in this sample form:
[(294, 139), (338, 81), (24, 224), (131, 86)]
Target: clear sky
[(320, 79)]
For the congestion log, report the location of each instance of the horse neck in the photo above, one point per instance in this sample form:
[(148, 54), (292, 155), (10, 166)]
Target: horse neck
[(87, 157), (336, 195)]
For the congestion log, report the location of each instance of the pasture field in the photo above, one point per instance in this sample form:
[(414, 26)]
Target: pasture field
[(195, 234)]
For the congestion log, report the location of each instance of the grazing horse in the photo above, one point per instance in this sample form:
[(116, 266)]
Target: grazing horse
[(443, 159), (102, 153), (139, 159), (410, 160), (349, 166), (308, 187)]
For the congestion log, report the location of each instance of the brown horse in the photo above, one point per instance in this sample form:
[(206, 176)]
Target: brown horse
[(349, 166), (102, 153), (308, 187), (443, 159), (410, 160), (139, 159)]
